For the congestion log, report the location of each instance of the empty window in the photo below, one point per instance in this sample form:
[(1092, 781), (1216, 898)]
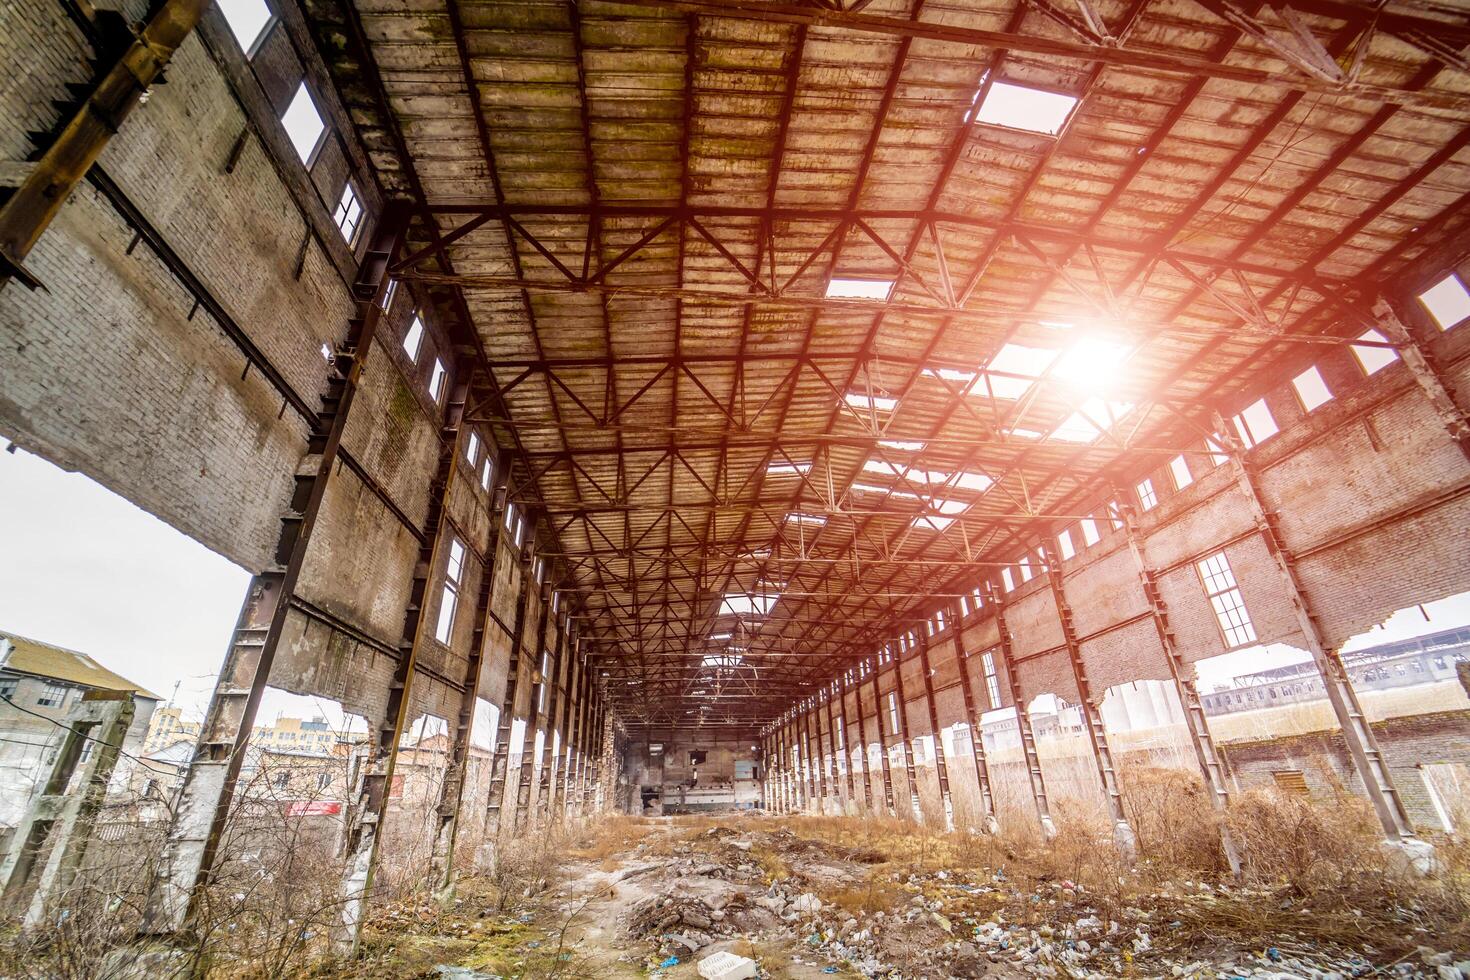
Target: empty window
[(510, 517), (414, 338), (248, 20), (1311, 389), (1021, 107), (1146, 495), (323, 780), (992, 679), (1447, 301), (349, 214), (1218, 456), (1179, 468), (52, 695), (893, 711), (1374, 359), (1089, 532), (1255, 424), (1006, 577), (1025, 568), (487, 471), (387, 301), (1064, 544), (436, 380), (1225, 597), (472, 448), (450, 599), (839, 288), (303, 122), (545, 678)]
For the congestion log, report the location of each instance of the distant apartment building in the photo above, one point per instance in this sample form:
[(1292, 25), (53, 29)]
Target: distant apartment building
[(39, 684), (169, 727)]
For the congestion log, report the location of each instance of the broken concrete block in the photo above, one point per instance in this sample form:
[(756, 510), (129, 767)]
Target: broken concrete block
[(726, 966)]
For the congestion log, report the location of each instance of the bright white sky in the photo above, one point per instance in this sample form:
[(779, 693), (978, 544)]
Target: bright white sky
[(82, 568)]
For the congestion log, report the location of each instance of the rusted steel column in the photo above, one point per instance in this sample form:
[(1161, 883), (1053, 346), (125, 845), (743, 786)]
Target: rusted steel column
[(1356, 732), (1211, 766), (883, 760), (857, 694), (1023, 716), (832, 751), (500, 763), (204, 801), (818, 768), (988, 822), (118, 91), (847, 740), (1430, 380), (451, 796), (372, 789), (905, 741), (533, 710), (576, 674), (940, 769), (553, 706), (1097, 736)]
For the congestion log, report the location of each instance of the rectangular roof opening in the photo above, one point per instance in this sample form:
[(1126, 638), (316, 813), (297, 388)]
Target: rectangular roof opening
[(1022, 107), (843, 288)]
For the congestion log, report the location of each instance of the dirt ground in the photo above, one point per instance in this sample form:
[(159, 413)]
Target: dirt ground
[(845, 897)]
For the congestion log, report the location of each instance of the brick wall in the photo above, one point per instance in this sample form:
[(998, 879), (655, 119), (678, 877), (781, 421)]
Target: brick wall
[(1407, 741)]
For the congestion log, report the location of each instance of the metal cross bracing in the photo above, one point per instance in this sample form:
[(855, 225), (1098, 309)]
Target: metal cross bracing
[(650, 295)]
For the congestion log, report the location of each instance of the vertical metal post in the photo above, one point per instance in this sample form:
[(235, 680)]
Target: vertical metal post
[(1426, 375), (1211, 766), (835, 760), (372, 789), (1023, 716), (941, 770), (988, 822), (884, 761), (451, 796), (905, 741), (204, 801), (857, 693), (553, 703), (500, 763), (1356, 732), (1097, 736)]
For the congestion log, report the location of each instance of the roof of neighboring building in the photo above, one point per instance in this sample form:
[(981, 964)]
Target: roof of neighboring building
[(174, 754), (29, 656)]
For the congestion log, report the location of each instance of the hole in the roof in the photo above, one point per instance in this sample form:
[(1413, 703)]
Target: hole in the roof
[(852, 288), (867, 403), (1092, 364), (1022, 107)]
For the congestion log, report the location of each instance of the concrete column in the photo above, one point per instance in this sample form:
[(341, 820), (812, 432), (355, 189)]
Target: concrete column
[(103, 718)]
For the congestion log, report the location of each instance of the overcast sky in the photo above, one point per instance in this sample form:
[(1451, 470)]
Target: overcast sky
[(82, 568)]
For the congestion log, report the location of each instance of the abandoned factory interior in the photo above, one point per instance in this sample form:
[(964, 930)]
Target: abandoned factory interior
[(735, 488)]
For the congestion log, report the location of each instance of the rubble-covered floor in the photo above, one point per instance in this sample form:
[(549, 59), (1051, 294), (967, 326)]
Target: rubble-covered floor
[(818, 897)]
